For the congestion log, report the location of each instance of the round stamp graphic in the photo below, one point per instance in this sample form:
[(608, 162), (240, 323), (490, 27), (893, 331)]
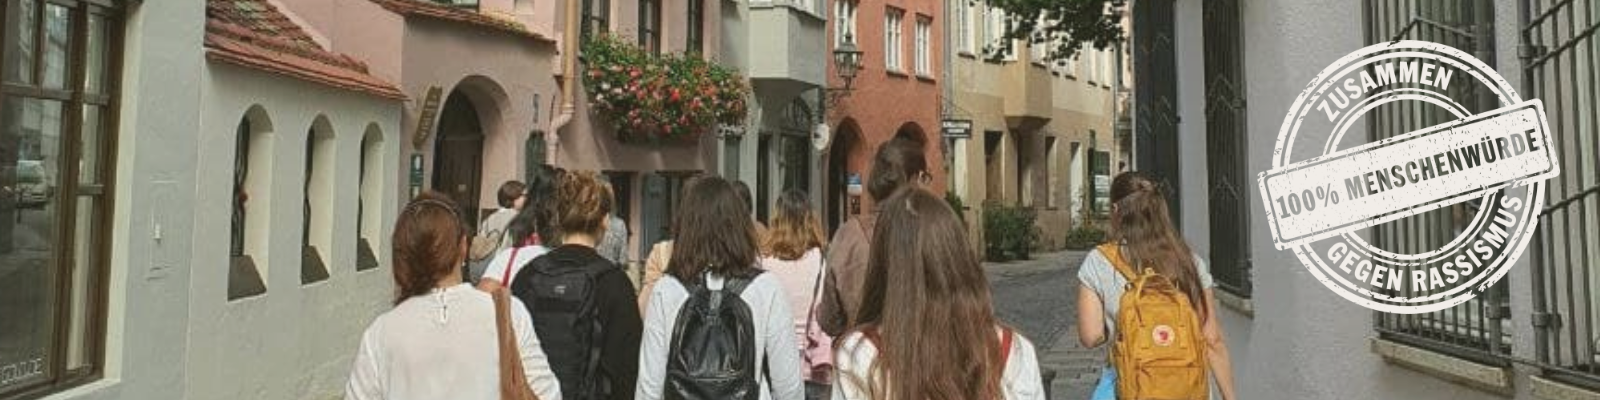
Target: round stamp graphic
[(1484, 165)]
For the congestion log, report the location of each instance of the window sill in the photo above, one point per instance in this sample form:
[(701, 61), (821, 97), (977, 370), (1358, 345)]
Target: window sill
[(967, 54), (312, 269), (1070, 76), (1545, 388), (1485, 377), (1236, 303), (926, 78), (365, 258), (244, 279), (896, 73)]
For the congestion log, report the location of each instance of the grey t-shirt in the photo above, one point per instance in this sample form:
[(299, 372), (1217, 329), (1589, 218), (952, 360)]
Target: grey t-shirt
[(1098, 274)]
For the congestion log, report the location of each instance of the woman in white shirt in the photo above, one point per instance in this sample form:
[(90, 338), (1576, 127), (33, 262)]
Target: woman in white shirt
[(792, 251), (715, 246), (440, 340), (926, 329)]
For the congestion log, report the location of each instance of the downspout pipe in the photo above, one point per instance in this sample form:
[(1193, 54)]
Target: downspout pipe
[(569, 86)]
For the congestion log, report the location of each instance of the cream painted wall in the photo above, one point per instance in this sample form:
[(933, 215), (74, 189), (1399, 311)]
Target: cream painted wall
[(299, 339)]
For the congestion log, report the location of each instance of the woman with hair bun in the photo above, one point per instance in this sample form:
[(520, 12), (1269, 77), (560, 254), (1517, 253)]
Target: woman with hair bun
[(440, 341)]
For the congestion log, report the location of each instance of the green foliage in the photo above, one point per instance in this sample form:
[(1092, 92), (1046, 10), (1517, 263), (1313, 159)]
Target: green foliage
[(1062, 26), (1009, 232), (1085, 237), (956, 204), (671, 97)]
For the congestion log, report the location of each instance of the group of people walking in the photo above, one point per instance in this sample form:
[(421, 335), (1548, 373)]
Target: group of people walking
[(895, 306)]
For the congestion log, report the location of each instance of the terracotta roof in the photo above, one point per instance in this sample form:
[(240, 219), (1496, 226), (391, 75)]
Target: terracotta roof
[(254, 34), (424, 8)]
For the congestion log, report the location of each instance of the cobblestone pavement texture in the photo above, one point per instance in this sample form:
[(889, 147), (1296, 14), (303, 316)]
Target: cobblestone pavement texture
[(1038, 298)]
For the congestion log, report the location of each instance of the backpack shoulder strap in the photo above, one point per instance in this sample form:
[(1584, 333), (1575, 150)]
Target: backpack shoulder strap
[(1113, 253), (736, 286)]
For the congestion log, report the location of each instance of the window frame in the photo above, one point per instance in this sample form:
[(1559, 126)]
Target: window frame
[(649, 26), (922, 32), (695, 29), (76, 98), (596, 18), (844, 24), (894, 40)]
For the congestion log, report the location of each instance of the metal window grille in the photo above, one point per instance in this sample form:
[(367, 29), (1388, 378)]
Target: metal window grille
[(1559, 55), (1478, 330), (1226, 141)]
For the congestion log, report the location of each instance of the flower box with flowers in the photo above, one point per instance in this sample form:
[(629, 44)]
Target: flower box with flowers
[(667, 98)]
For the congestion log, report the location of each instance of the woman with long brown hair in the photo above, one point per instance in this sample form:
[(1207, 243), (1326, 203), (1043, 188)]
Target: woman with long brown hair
[(792, 251), (1142, 228), (714, 257), (440, 340), (927, 329)]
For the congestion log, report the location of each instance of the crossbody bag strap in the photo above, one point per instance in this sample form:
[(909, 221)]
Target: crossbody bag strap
[(505, 277), (811, 307)]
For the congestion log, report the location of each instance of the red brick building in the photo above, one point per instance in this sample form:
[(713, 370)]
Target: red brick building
[(895, 93)]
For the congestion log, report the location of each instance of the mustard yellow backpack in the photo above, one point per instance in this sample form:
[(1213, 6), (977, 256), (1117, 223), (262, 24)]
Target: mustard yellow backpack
[(1160, 348)]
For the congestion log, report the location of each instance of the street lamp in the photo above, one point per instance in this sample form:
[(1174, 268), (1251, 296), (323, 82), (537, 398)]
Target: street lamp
[(847, 59)]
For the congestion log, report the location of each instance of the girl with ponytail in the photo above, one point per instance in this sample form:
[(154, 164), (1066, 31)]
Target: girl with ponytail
[(1142, 226)]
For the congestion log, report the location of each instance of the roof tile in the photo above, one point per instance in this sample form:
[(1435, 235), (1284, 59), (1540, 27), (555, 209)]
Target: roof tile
[(448, 13), (254, 34)]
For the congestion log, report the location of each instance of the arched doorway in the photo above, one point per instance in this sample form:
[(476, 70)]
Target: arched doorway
[(845, 142), (458, 154)]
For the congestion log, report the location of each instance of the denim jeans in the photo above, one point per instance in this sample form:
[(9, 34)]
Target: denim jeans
[(1107, 388)]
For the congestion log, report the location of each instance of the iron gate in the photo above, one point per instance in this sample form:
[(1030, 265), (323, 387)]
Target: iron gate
[(1225, 147), (1478, 329), (1559, 57), (1156, 124)]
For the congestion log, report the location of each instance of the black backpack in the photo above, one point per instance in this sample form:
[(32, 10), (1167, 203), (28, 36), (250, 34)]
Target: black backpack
[(562, 294), (713, 346)]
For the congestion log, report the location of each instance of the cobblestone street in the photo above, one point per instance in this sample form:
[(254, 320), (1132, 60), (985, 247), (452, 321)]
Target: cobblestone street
[(1037, 298)]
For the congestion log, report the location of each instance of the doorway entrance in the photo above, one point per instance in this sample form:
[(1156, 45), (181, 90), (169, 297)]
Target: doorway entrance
[(838, 177), (458, 155)]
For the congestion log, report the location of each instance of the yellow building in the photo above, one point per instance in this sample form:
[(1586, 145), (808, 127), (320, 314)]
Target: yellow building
[(1042, 133)]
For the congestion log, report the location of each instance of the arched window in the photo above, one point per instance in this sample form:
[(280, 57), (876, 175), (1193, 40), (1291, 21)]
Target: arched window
[(370, 186), (251, 192), (316, 227)]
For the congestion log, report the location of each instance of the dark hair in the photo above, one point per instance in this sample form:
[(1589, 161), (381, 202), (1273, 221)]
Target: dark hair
[(897, 163), (509, 192), (1141, 223), (794, 229), (744, 194), (581, 205), (937, 316), (683, 192), (429, 243), (536, 213), (714, 233)]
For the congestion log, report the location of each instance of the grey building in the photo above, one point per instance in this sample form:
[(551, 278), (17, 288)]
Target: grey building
[(1216, 79)]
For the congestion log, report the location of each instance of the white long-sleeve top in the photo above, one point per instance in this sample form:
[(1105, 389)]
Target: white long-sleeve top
[(769, 312), (853, 361), (443, 345)]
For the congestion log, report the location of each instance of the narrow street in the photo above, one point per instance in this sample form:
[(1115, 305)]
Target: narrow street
[(1037, 297)]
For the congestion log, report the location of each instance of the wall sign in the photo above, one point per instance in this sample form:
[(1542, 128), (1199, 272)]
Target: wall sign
[(416, 174), (957, 128), (426, 116)]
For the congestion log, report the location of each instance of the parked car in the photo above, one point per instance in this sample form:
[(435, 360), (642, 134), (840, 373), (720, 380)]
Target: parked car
[(34, 186)]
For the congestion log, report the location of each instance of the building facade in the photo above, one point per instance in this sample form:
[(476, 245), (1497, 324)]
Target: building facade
[(1230, 69), (1042, 132), (646, 176), (780, 46), (895, 94), (233, 183)]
